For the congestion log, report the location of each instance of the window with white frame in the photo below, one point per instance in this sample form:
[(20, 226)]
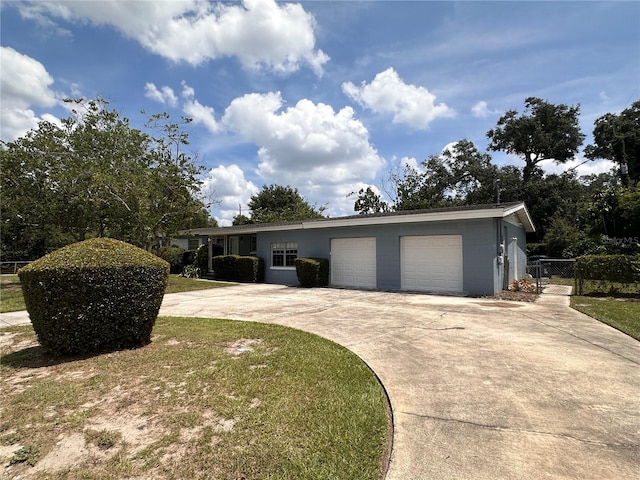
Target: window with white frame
[(194, 243), (284, 254)]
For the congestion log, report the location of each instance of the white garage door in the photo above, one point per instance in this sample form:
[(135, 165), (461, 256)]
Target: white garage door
[(353, 262), (431, 263)]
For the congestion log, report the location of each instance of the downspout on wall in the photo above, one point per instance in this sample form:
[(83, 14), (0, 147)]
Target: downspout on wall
[(515, 258)]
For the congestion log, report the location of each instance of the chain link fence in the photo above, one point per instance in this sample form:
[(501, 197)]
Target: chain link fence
[(11, 267), (548, 271)]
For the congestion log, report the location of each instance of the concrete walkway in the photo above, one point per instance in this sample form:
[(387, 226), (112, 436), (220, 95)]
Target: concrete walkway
[(479, 388)]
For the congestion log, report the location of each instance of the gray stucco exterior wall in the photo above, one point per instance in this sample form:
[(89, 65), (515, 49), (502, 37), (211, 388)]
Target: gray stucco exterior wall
[(481, 238)]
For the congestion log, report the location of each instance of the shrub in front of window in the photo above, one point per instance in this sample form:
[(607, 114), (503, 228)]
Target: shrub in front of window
[(93, 296), (225, 267), (236, 268), (250, 269), (312, 272), (173, 255)]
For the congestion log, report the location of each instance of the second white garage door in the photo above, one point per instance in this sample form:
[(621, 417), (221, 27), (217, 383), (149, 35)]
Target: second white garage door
[(353, 262), (431, 263)]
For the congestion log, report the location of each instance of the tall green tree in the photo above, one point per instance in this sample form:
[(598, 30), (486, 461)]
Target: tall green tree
[(617, 138), (368, 201), (95, 175), (241, 219), (467, 174), (416, 190), (275, 203), (460, 175), (543, 132), (615, 212)]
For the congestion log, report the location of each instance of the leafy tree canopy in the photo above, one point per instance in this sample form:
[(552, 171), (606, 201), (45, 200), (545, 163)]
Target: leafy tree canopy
[(275, 203), (241, 220), (368, 201), (459, 175), (94, 175), (617, 138), (544, 132)]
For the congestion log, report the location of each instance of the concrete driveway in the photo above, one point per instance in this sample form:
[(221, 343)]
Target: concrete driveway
[(480, 389)]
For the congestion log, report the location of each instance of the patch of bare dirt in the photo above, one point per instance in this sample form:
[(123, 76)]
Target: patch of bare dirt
[(70, 451), (242, 345), (119, 422)]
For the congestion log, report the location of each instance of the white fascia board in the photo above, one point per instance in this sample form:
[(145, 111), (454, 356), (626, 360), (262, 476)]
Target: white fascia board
[(518, 212), (222, 232), (411, 218), (522, 214), (279, 228)]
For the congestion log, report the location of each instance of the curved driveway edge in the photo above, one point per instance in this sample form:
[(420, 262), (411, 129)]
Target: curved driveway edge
[(480, 389)]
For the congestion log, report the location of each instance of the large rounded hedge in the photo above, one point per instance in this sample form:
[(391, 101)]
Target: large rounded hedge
[(92, 296)]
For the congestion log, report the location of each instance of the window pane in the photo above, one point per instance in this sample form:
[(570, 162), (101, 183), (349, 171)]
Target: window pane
[(284, 254), (292, 254), (277, 254)]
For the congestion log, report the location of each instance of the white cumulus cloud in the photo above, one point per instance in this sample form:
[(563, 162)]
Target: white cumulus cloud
[(324, 153), (24, 84), (163, 95), (581, 165), (229, 187), (198, 112), (306, 143), (481, 110), (262, 34), (191, 107), (387, 93)]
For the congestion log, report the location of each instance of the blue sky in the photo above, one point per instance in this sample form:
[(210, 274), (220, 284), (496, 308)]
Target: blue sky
[(325, 96)]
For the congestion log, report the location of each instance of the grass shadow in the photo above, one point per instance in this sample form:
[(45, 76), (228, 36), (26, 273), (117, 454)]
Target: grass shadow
[(38, 357), (613, 294)]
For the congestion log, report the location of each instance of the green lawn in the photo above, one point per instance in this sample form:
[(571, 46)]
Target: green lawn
[(621, 311), (11, 299), (179, 284), (206, 399), (622, 314), (555, 280)]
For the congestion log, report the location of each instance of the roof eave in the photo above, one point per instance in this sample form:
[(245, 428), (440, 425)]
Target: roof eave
[(495, 211)]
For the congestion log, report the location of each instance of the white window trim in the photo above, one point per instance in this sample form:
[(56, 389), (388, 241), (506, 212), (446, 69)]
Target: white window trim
[(285, 246)]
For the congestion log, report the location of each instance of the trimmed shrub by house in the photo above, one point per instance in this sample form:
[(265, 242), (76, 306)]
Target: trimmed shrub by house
[(312, 272), (250, 269), (236, 268), (225, 267), (93, 296), (174, 255), (202, 259)]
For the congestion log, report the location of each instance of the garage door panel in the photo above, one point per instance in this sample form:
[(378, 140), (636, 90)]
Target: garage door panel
[(431, 263), (353, 262)]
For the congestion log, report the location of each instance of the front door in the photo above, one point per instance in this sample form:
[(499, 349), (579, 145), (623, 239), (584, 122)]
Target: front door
[(234, 246)]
